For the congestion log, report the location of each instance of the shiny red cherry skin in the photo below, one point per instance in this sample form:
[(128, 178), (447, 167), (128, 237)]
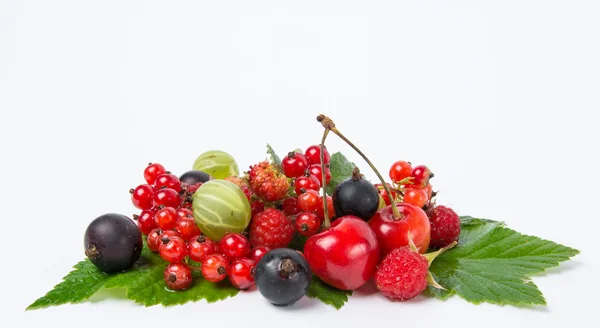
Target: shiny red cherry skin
[(393, 232), (345, 255)]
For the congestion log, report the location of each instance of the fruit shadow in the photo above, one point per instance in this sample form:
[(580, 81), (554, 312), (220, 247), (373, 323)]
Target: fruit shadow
[(367, 289), (108, 294), (302, 304)]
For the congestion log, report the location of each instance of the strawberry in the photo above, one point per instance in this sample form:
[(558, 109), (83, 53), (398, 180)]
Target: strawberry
[(268, 181)]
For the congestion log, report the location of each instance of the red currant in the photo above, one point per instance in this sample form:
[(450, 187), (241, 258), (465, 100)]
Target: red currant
[(178, 276), (241, 273), (168, 180), (309, 201), (417, 197), (257, 253), (307, 223), (187, 228), (294, 164), (330, 209), (429, 190), (141, 196), (154, 239), (166, 197), (199, 247), (290, 206), (152, 171), (169, 233), (421, 175), (146, 221), (172, 249), (192, 188), (166, 218), (306, 182), (313, 155), (400, 170), (384, 194), (214, 267), (234, 245), (315, 170), (185, 213), (257, 206)]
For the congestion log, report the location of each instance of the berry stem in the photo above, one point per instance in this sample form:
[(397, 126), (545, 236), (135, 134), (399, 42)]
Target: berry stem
[(326, 221), (329, 125)]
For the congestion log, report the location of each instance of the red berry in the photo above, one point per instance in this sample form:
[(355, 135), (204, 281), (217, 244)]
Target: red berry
[(392, 232), (214, 267), (141, 196), (309, 201), (315, 170), (257, 206), (268, 182), (234, 245), (199, 247), (271, 228), (330, 209), (384, 194), (400, 170), (166, 218), (191, 189), (306, 182), (154, 239), (187, 228), (178, 276), (307, 223), (257, 253), (168, 180), (294, 164), (241, 273), (173, 249), (417, 197), (445, 226), (145, 221), (185, 213), (429, 190), (166, 197), (313, 155), (152, 171), (420, 176), (402, 274), (169, 233), (290, 206)]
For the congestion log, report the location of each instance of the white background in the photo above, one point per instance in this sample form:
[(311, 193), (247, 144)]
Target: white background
[(499, 98)]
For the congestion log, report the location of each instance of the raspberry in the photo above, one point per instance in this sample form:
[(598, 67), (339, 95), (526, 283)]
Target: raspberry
[(445, 226), (402, 274), (271, 228), (268, 181)]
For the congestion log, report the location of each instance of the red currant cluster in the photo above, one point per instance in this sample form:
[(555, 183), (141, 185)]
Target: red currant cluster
[(410, 184)]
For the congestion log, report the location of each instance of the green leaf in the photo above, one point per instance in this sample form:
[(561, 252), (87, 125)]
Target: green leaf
[(144, 284), (298, 242), (494, 264), (341, 169), (274, 158), (327, 294)]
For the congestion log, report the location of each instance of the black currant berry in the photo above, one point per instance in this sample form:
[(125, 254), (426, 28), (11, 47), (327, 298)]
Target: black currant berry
[(282, 276), (356, 196), (194, 176), (113, 242)]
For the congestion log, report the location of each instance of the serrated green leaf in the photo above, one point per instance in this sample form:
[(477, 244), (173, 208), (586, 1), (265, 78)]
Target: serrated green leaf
[(494, 264), (327, 294), (144, 284), (274, 158), (79, 285), (341, 169)]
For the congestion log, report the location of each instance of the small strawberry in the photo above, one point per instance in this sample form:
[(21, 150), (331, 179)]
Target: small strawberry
[(403, 273), (268, 181), (445, 226)]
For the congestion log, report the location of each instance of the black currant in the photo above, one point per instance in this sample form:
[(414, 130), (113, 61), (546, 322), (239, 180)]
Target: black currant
[(356, 196), (113, 242), (282, 276), (194, 176)]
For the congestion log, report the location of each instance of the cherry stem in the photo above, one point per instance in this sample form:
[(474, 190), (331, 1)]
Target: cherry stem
[(326, 221), (329, 125)]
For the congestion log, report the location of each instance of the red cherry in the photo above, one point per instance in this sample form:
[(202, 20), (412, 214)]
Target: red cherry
[(167, 180), (257, 253), (393, 232), (400, 170), (313, 155), (315, 170), (384, 194), (346, 255), (294, 164), (420, 176), (152, 171), (141, 196), (306, 182)]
